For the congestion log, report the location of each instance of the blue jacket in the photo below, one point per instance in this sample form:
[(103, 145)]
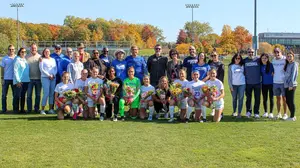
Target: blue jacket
[(107, 60), (58, 59), (120, 67), (64, 62), (139, 65)]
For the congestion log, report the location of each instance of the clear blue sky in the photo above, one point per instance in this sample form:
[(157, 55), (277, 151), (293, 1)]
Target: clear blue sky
[(169, 15)]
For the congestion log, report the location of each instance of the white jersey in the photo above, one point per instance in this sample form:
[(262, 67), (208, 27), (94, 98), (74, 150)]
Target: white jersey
[(196, 88), (183, 83), (79, 84), (216, 83), (278, 65), (145, 89), (94, 85), (61, 88)]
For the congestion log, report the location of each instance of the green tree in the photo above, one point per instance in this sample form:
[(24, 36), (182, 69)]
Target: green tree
[(4, 42), (197, 29)]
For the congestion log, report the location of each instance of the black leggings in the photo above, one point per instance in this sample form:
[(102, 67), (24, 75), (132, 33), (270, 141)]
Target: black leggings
[(265, 89), (290, 97), (109, 109)]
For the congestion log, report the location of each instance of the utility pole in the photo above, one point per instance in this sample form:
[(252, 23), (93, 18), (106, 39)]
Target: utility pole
[(192, 6), (255, 39), (17, 5)]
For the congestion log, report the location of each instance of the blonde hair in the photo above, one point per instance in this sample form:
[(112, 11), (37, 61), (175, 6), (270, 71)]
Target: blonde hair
[(160, 82), (184, 73)]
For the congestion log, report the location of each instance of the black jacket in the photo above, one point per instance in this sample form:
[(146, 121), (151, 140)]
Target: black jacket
[(157, 67)]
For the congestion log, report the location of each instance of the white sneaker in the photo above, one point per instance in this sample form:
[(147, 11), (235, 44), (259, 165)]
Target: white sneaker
[(285, 116), (42, 112), (265, 115), (248, 114), (171, 120), (234, 114), (150, 118), (256, 116), (115, 119), (271, 116), (291, 119), (166, 115), (212, 113), (101, 118), (279, 116), (51, 111)]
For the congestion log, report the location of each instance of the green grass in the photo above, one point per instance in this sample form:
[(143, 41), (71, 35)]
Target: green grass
[(42, 141), (146, 52)]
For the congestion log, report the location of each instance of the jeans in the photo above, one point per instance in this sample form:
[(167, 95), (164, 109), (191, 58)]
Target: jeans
[(109, 107), (5, 87), (34, 83), (48, 90), (265, 89), (238, 96), (256, 88), (290, 100), (19, 94)]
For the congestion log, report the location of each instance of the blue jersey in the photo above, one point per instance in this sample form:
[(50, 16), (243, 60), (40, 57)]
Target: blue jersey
[(202, 69), (139, 65), (120, 67)]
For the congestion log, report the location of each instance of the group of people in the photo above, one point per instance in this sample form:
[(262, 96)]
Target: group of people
[(144, 86)]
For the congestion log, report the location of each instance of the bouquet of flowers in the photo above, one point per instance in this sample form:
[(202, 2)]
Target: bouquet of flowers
[(147, 94), (110, 89), (187, 92), (70, 94), (61, 99), (129, 94), (175, 90), (209, 94), (162, 95)]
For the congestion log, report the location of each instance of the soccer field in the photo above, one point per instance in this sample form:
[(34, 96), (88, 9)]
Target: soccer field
[(42, 141)]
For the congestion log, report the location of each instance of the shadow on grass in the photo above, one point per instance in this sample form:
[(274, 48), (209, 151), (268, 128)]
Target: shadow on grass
[(37, 117)]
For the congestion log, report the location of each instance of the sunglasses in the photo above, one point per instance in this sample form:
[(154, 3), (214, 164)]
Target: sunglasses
[(23, 51), (157, 48), (191, 49), (96, 53), (237, 58), (251, 52), (213, 55), (105, 51), (69, 51), (57, 48), (11, 49), (276, 51)]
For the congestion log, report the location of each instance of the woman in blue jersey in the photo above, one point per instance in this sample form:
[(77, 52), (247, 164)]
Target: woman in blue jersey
[(120, 64), (202, 67)]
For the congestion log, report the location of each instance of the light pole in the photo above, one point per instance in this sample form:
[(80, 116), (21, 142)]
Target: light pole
[(17, 5), (255, 39), (192, 6)]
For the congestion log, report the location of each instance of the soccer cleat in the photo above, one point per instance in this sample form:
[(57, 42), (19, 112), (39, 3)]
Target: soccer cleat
[(265, 115)]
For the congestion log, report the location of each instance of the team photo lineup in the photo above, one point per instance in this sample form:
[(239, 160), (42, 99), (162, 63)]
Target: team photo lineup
[(78, 85)]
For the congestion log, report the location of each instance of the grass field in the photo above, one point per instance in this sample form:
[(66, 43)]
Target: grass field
[(42, 141)]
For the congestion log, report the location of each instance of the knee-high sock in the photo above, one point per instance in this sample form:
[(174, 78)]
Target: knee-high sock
[(102, 109), (189, 111), (151, 110), (171, 110), (203, 111), (122, 107)]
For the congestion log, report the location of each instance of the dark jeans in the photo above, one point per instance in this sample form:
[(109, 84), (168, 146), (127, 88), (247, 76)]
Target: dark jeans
[(290, 100), (19, 93), (265, 89), (37, 84), (256, 88), (108, 109), (5, 86)]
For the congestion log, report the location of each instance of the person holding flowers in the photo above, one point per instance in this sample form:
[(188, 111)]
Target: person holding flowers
[(62, 104), (161, 97), (194, 95), (80, 84), (131, 94), (218, 94), (177, 95), (147, 90), (94, 92), (113, 92)]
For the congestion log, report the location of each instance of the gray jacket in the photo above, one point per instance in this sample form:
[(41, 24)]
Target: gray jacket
[(290, 75)]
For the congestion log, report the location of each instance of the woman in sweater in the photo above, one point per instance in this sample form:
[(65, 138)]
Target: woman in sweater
[(75, 67), (20, 80), (290, 83), (236, 81), (173, 66), (48, 70)]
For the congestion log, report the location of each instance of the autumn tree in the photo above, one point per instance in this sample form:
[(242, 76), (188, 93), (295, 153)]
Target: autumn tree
[(242, 37), (265, 47), (183, 48), (182, 36), (227, 42)]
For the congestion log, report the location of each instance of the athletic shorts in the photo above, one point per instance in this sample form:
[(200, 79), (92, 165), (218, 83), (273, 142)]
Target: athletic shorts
[(182, 104), (219, 104), (278, 89)]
